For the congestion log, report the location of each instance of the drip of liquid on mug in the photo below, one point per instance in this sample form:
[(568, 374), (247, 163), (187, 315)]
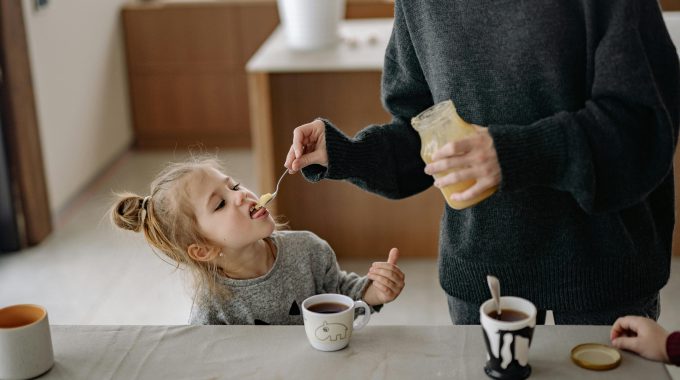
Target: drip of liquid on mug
[(438, 125)]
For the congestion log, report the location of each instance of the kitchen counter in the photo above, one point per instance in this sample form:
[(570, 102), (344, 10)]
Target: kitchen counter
[(278, 352), (362, 47)]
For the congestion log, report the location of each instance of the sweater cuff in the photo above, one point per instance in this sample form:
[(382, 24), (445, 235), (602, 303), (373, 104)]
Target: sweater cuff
[(347, 157), (673, 348), (530, 155), (337, 144), (374, 308)]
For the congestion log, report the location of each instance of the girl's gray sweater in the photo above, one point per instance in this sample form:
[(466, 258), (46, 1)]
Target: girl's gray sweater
[(305, 265)]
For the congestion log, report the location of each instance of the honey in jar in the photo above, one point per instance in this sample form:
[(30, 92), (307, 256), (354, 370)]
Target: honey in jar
[(437, 126)]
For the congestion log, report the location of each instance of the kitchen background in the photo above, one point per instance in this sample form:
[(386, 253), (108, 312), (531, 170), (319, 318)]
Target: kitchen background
[(109, 91)]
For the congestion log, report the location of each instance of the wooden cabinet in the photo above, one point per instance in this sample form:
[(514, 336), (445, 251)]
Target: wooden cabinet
[(670, 5), (186, 67)]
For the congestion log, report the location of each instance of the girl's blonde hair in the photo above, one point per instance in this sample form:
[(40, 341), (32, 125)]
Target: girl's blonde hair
[(168, 221)]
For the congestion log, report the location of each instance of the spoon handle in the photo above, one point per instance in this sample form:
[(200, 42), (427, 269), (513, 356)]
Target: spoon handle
[(495, 288)]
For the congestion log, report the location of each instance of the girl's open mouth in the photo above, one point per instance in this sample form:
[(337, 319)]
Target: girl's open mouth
[(258, 213)]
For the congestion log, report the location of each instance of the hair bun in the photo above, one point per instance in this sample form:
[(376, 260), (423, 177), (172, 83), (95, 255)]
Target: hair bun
[(126, 213)]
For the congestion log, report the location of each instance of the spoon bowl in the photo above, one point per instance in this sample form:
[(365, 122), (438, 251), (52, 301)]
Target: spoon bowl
[(266, 198)]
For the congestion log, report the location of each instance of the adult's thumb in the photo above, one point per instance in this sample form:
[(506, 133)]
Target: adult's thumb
[(393, 257), (314, 157)]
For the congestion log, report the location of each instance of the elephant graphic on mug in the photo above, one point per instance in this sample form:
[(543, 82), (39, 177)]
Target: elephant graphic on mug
[(332, 331)]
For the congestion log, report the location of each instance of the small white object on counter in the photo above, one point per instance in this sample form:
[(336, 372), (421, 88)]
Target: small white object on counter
[(362, 49)]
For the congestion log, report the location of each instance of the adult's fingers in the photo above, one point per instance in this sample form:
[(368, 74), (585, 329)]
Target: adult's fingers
[(478, 188), (314, 157), (455, 148), (290, 157), (309, 134), (626, 343), (300, 135), (457, 177), (624, 324)]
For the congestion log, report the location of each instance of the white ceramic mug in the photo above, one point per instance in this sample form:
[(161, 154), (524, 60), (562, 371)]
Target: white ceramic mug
[(25, 342), (311, 24), (331, 331), (507, 342)]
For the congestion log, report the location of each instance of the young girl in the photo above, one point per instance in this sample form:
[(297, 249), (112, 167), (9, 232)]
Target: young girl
[(245, 271)]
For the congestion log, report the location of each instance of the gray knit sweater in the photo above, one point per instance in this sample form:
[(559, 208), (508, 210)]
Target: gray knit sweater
[(581, 99), (305, 265)]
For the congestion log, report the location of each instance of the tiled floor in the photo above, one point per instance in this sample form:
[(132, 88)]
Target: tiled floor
[(89, 272)]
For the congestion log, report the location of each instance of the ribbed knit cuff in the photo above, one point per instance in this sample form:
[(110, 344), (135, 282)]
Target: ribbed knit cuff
[(529, 155), (347, 157), (673, 348)]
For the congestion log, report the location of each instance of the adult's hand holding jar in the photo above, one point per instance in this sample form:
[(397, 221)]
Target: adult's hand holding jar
[(473, 158)]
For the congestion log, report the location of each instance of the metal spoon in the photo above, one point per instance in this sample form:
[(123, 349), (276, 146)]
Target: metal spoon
[(495, 288), (266, 198)]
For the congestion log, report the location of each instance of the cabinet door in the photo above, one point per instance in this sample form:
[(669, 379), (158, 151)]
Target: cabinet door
[(186, 74), (670, 5)]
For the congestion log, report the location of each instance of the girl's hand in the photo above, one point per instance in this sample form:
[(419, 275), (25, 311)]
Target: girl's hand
[(642, 336), (474, 158), (309, 146), (387, 281)]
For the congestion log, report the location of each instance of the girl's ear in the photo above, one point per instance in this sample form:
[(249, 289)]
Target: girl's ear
[(200, 252)]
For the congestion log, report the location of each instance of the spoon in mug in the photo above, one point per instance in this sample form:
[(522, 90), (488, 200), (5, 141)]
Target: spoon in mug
[(495, 288)]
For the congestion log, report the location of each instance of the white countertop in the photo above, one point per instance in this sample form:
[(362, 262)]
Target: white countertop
[(362, 48), (274, 56), (283, 352)]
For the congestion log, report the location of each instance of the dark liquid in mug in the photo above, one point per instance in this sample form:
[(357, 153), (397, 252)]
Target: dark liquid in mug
[(327, 307), (508, 315)]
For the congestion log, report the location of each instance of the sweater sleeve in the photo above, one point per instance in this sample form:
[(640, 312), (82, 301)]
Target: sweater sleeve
[(614, 151), (673, 348), (339, 281), (385, 159), (343, 282)]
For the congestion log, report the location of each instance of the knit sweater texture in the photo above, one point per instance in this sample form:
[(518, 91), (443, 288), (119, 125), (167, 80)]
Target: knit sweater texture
[(581, 99), (305, 265)]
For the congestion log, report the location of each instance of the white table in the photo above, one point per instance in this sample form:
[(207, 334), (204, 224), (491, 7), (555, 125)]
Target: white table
[(282, 352)]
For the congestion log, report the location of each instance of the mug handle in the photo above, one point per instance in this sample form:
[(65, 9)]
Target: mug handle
[(362, 320)]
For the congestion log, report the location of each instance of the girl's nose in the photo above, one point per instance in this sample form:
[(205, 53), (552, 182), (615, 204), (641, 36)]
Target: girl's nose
[(239, 198)]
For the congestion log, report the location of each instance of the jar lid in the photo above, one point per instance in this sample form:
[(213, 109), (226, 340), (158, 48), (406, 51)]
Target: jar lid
[(595, 356)]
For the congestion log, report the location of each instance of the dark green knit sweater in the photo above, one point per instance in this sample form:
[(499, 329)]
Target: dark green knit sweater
[(581, 99)]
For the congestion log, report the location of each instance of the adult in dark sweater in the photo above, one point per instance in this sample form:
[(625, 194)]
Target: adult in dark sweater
[(579, 103)]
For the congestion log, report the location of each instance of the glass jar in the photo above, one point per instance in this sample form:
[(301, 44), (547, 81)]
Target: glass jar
[(438, 125)]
